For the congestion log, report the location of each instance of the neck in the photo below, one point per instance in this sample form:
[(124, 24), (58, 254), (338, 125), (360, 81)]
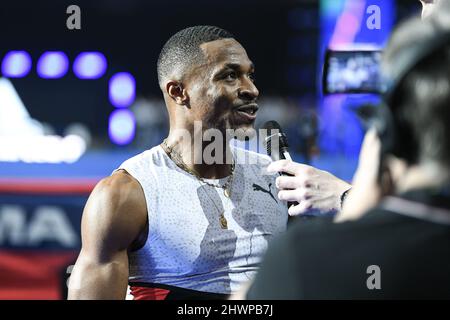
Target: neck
[(210, 160), (430, 175)]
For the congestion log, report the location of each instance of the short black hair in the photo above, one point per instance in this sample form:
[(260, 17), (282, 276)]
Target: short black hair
[(420, 103), (183, 48), (423, 109)]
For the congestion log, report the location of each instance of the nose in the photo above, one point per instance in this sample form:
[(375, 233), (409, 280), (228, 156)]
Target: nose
[(248, 91)]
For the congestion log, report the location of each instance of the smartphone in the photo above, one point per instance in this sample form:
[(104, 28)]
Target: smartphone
[(352, 71)]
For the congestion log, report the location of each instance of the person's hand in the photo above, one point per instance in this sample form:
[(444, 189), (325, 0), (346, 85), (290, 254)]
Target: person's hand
[(314, 190), (366, 191)]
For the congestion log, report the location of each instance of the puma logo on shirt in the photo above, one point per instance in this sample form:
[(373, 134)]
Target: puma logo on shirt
[(259, 188)]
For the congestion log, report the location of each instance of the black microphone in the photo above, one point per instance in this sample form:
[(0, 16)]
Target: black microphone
[(278, 149), (277, 146), (276, 141)]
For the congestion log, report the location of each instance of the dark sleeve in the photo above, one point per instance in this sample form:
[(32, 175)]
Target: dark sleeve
[(278, 277)]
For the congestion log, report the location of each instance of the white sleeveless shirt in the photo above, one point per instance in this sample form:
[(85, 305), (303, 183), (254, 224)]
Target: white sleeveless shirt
[(186, 246)]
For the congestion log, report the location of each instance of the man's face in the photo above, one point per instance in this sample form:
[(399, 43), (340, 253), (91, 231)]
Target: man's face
[(221, 90), (427, 7)]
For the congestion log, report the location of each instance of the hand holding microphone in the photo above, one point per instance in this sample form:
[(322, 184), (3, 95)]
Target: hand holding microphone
[(311, 190)]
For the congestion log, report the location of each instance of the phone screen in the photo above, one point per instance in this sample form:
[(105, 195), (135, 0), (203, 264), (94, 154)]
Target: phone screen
[(352, 71)]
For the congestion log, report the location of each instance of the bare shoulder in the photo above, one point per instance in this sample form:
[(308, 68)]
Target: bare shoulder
[(121, 193), (116, 211), (120, 189)]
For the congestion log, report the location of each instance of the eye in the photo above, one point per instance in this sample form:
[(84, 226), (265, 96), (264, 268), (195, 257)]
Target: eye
[(230, 76), (251, 76)]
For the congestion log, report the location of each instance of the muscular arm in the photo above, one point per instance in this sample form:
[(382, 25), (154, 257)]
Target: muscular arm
[(114, 217)]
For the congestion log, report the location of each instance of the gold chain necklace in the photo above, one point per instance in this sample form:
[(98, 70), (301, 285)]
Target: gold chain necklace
[(226, 187), (176, 157)]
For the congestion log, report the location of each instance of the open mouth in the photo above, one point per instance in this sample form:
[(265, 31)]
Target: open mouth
[(248, 111)]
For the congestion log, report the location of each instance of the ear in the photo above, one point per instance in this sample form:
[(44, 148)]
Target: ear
[(394, 170), (177, 93)]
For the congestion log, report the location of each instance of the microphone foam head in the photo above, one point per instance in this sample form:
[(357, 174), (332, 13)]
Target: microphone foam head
[(270, 125), (275, 138)]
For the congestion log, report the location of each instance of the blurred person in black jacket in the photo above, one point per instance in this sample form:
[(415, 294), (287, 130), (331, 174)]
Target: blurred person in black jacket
[(400, 248)]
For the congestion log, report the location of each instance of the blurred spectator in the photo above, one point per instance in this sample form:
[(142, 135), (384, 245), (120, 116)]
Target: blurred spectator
[(151, 122), (400, 248)]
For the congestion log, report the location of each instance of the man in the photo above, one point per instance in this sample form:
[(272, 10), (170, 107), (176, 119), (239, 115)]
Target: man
[(400, 248), (170, 222)]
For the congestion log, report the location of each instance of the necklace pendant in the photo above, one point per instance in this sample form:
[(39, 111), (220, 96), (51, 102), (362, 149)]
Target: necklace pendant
[(226, 192), (223, 222)]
